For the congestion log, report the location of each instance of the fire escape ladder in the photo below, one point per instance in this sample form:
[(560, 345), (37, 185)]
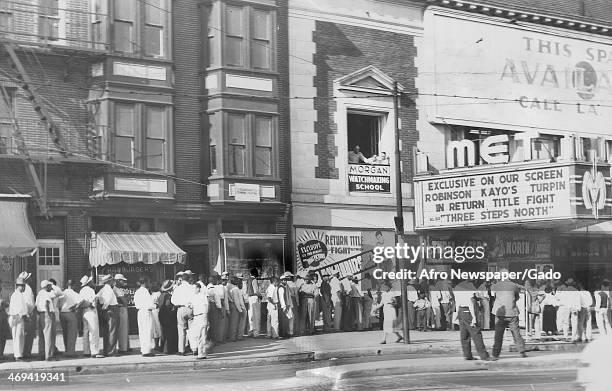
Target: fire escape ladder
[(44, 117), (39, 192)]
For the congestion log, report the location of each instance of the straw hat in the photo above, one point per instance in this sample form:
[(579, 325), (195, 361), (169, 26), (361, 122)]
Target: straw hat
[(19, 281), (45, 283), (106, 278), (120, 276), (86, 280)]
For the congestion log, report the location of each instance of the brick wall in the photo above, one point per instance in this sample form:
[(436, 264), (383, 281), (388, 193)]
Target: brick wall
[(188, 81), (343, 49), (284, 104)]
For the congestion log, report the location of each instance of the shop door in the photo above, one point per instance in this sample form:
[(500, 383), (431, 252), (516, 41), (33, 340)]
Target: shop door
[(50, 262)]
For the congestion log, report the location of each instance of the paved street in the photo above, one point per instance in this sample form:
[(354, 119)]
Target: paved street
[(549, 380), (282, 377)]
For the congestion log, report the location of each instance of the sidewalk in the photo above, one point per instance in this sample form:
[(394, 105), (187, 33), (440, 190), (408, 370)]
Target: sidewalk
[(252, 352)]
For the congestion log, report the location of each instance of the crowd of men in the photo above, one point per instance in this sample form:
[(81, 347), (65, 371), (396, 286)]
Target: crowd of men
[(191, 314)]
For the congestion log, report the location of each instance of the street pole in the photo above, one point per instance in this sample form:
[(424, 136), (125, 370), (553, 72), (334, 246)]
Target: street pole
[(399, 219)]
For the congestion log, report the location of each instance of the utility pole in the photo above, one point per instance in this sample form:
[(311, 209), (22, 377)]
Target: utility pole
[(399, 219)]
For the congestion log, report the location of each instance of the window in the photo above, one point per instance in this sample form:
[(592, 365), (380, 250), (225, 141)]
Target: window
[(363, 132), (6, 120), (140, 27), (234, 36), (213, 29), (97, 25), (545, 147), (48, 20), (237, 144), (590, 149), (154, 28), (251, 140), (156, 137), (125, 122), (5, 18), (263, 146), (49, 256), (141, 134), (260, 44), (248, 37)]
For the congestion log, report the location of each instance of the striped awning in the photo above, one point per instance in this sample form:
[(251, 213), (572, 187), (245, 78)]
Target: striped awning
[(150, 247), (16, 236)]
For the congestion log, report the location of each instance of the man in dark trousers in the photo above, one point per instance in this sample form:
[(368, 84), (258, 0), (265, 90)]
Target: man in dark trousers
[(469, 329), (506, 314)]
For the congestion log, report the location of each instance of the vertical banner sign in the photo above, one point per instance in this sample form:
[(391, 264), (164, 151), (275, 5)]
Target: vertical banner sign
[(317, 248), (367, 178)]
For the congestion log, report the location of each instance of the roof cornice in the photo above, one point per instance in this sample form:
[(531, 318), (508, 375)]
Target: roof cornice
[(520, 14)]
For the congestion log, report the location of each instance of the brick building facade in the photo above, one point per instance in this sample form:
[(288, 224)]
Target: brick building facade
[(130, 86)]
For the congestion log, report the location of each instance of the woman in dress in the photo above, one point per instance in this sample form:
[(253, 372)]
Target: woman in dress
[(145, 306), (549, 311), (390, 317)]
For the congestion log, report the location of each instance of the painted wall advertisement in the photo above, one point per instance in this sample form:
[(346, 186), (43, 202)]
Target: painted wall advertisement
[(520, 195), (541, 79), (367, 178), (318, 248)]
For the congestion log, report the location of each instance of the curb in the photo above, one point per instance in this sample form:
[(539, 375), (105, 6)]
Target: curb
[(75, 370), (387, 350), (552, 347), (406, 368)]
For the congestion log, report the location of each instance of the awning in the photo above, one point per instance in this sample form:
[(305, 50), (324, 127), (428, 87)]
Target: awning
[(603, 228), (16, 235), (150, 247)]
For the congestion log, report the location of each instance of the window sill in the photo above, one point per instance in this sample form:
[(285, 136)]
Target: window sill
[(243, 70), (243, 178)]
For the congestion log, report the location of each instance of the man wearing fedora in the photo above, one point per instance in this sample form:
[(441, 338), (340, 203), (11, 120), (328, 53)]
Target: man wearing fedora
[(110, 315), (198, 302), (19, 310), (184, 315), (224, 295), (68, 304), (237, 310), (124, 323), (30, 321), (91, 325), (307, 292), (167, 318), (215, 308), (46, 320)]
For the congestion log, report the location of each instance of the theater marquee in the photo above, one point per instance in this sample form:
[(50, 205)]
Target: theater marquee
[(517, 196)]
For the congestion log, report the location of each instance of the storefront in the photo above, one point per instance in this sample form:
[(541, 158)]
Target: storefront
[(152, 255), (518, 145), (17, 241)]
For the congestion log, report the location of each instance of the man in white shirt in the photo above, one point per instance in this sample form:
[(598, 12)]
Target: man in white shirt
[(252, 288), (356, 305), (434, 298), (585, 325), (569, 299), (110, 315), (143, 301), (602, 305), (413, 296), (199, 303), (337, 296), (237, 308), (446, 293), (468, 328), (273, 305), (46, 320), (68, 304), (91, 325), (215, 308), (30, 324), (295, 300), (180, 298), (19, 310), (242, 318)]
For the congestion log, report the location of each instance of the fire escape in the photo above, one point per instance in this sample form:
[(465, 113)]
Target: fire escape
[(14, 39)]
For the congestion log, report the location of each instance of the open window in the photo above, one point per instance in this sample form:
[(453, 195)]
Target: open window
[(363, 131)]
